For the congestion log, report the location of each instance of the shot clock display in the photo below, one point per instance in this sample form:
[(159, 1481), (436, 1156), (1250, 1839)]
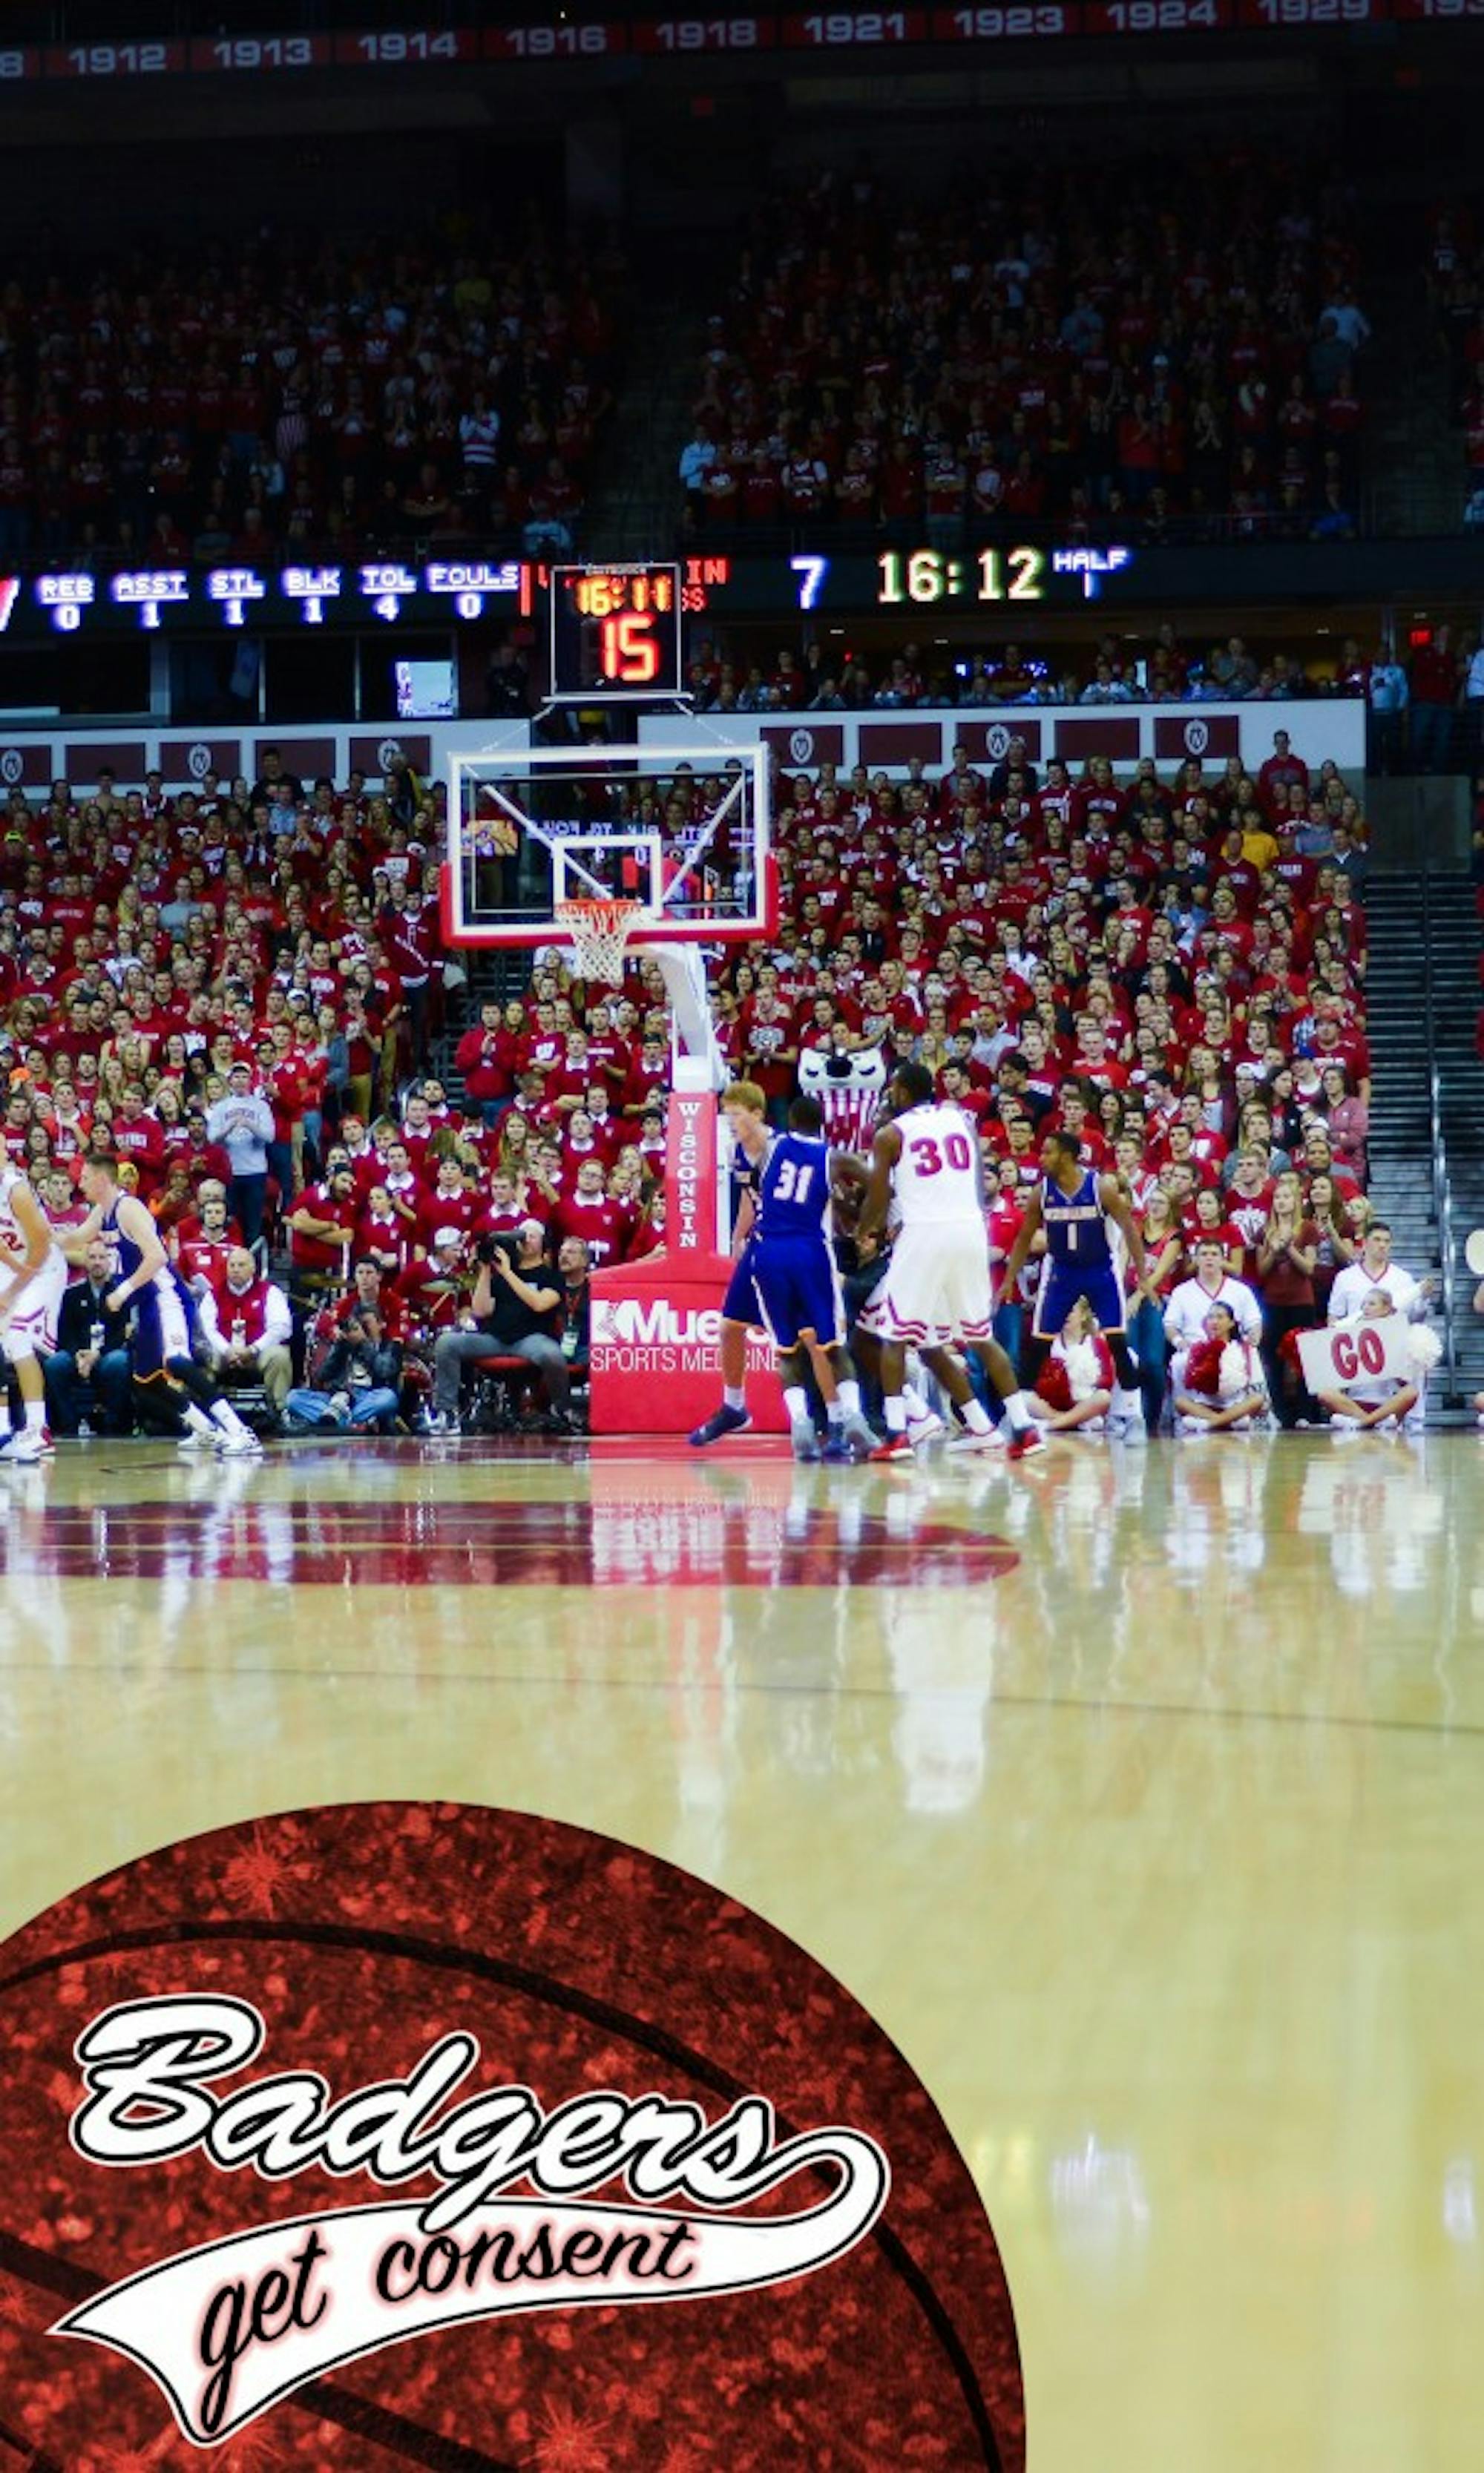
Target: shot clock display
[(615, 632)]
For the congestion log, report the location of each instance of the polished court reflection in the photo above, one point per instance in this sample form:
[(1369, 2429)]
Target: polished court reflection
[(1140, 1796)]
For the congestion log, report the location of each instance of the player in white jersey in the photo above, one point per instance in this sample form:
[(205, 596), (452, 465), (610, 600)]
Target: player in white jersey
[(937, 1284), (33, 1277)]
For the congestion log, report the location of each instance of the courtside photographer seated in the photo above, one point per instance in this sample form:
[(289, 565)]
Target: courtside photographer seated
[(514, 1311), (359, 1378)]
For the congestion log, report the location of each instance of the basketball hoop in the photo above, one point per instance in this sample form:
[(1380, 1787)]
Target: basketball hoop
[(598, 933)]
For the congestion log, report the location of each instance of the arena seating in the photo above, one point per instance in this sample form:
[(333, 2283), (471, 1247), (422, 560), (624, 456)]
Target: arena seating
[(1145, 353), (1110, 669), (403, 392), (1455, 278)]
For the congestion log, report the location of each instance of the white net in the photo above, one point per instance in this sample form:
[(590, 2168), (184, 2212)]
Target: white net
[(598, 933)]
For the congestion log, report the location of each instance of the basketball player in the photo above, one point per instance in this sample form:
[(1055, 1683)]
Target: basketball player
[(944, 1363), (744, 1105), (163, 1366), (1078, 1208), (937, 1285), (32, 1278), (797, 1283), (870, 1327)]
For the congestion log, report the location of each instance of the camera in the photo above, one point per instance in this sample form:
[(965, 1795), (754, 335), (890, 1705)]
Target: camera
[(507, 1242)]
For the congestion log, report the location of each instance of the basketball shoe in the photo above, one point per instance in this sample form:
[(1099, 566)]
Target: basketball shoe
[(1021, 1447), (721, 1422)]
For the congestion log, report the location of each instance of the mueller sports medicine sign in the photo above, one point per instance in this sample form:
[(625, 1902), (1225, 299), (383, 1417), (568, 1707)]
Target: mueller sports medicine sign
[(654, 1348), (660, 1334), (654, 1354)]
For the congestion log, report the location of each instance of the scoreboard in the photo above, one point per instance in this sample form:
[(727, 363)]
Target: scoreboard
[(615, 632), (375, 593)]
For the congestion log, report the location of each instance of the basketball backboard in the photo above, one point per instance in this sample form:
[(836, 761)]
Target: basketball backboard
[(681, 830)]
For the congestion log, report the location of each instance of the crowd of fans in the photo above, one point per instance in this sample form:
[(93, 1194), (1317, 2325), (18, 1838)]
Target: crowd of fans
[(1129, 352), (1175, 972), (1425, 714), (237, 991), (314, 401), (1114, 670), (1456, 274)]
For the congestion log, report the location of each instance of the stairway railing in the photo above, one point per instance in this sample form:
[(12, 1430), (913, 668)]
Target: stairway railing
[(1442, 1191)]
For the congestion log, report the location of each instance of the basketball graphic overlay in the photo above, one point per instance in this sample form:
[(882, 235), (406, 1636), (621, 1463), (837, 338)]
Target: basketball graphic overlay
[(408, 2134)]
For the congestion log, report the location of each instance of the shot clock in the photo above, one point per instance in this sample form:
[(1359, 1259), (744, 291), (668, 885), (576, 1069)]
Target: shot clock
[(615, 632)]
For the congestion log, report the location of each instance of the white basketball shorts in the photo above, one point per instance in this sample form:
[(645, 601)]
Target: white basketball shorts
[(32, 1326), (937, 1285)]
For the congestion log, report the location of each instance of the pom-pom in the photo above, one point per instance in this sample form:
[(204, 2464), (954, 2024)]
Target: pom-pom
[(1424, 1349), (1202, 1368), (1053, 1386), (1240, 1371), (1084, 1372)]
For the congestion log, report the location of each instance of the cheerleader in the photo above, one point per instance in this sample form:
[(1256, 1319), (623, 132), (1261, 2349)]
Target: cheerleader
[(1075, 1385), (1223, 1386)]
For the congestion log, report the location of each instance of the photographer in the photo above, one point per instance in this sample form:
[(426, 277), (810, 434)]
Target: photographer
[(573, 1266), (360, 1378), (514, 1312)]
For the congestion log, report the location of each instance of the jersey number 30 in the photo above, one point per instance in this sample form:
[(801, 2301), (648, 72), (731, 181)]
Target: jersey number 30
[(928, 1158)]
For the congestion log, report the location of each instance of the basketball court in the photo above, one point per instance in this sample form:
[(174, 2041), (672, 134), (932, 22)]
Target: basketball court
[(1130, 1791)]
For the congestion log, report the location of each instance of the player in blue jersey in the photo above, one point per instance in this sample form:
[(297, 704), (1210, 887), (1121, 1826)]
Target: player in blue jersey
[(744, 1108), (1079, 1210), (797, 1282), (164, 1370)]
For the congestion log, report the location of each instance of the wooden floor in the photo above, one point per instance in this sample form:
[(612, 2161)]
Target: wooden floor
[(1140, 1796)]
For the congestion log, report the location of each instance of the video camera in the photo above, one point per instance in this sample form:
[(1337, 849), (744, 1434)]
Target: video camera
[(504, 1240)]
